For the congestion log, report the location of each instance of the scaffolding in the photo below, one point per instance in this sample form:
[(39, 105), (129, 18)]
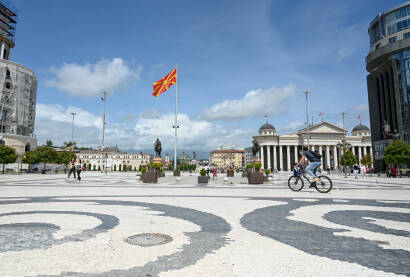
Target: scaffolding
[(8, 21)]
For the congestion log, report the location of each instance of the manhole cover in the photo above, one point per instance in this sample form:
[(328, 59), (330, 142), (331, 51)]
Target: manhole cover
[(149, 239)]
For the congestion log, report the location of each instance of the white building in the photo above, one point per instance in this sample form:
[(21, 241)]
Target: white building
[(113, 161), (280, 152)]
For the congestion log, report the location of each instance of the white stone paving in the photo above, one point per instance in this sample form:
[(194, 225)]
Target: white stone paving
[(246, 253)]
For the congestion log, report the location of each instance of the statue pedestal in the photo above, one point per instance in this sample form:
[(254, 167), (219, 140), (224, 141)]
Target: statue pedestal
[(157, 163)]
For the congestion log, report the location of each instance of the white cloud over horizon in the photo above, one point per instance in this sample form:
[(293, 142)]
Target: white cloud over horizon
[(54, 122), (254, 103), (90, 80)]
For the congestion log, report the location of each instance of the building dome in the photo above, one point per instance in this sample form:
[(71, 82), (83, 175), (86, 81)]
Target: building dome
[(266, 126), (360, 128), (267, 129)]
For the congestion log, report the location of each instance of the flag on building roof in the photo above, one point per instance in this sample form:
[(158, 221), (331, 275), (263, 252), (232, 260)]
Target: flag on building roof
[(165, 83), (320, 114), (266, 115), (358, 117)]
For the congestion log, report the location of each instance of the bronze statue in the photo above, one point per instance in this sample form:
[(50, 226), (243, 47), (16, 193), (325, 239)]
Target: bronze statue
[(255, 148), (158, 148), (194, 154)]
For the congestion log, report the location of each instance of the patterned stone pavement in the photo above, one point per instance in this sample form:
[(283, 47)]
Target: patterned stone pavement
[(53, 227)]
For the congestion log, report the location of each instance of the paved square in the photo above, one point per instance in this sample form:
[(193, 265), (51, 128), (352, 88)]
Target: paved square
[(51, 227)]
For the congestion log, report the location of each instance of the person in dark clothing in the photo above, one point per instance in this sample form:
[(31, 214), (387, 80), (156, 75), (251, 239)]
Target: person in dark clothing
[(314, 163), (79, 168), (72, 169)]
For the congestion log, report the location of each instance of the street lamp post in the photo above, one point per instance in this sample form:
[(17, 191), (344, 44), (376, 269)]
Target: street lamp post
[(307, 117), (72, 131), (104, 99), (344, 146)]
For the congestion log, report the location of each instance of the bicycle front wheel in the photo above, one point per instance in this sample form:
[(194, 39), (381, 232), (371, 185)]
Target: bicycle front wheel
[(324, 184), (295, 183)]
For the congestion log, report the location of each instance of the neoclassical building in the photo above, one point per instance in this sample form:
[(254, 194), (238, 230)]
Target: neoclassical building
[(280, 152)]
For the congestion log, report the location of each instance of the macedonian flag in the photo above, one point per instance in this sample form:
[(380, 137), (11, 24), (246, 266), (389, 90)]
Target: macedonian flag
[(165, 83)]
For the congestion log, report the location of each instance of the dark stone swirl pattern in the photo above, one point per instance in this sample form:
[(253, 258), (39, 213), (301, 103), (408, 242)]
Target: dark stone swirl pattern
[(211, 237), (321, 241)]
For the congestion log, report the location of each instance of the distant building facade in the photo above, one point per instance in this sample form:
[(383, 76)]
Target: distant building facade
[(248, 155), (113, 161), (227, 158), (388, 82), (18, 91), (280, 152)]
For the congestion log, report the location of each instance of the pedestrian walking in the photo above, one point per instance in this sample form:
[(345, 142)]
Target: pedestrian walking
[(363, 170), (79, 168), (72, 169), (356, 171), (207, 171), (214, 173)]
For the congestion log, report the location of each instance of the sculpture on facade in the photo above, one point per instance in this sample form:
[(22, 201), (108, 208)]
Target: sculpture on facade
[(158, 148), (194, 154)]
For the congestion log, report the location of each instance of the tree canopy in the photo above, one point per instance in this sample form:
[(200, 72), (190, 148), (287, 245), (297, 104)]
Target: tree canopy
[(397, 152), (65, 157), (7, 155), (366, 160), (348, 159), (49, 143), (43, 154)]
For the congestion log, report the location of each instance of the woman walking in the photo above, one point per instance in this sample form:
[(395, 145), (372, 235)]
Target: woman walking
[(79, 168)]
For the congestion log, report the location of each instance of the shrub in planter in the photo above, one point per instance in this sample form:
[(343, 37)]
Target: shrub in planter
[(177, 173), (150, 177), (202, 179), (143, 170), (230, 172), (267, 171)]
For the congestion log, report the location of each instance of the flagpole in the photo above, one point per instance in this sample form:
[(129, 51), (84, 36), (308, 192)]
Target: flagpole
[(176, 122)]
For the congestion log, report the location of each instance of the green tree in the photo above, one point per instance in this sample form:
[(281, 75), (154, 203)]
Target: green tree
[(89, 167), (65, 158), (397, 152), (93, 167), (99, 168), (366, 160), (7, 155), (49, 143), (43, 154), (348, 160), (119, 167)]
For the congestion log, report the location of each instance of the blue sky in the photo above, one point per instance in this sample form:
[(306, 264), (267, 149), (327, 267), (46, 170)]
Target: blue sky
[(237, 60)]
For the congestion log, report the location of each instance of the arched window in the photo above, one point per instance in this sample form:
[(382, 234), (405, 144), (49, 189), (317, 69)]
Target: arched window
[(27, 148), (2, 142)]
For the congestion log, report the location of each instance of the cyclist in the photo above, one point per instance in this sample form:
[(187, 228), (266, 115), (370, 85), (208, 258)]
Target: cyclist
[(314, 163)]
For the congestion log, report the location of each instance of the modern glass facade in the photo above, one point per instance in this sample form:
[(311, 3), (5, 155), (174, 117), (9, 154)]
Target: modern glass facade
[(388, 82)]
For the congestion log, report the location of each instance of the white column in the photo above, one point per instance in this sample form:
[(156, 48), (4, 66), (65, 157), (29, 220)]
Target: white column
[(321, 153), (296, 153), (353, 150), (262, 160), (365, 150), (280, 157), (336, 162), (360, 153), (268, 149), (275, 166), (288, 157), (371, 153), (327, 156)]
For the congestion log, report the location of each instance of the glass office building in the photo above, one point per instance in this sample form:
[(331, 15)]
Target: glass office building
[(388, 82)]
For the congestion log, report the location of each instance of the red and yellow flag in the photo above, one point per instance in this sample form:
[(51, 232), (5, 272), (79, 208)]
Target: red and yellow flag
[(165, 83)]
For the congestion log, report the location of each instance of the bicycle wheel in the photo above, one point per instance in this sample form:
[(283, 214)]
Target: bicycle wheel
[(295, 183), (324, 184)]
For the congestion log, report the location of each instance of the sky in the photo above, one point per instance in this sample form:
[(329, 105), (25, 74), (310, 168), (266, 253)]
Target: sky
[(237, 61)]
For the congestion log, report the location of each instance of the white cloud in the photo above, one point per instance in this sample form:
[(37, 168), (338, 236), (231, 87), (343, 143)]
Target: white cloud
[(255, 103), (295, 125), (90, 80), (54, 122), (345, 53)]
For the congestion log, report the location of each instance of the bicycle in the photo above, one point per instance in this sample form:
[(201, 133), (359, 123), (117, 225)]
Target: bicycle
[(323, 185)]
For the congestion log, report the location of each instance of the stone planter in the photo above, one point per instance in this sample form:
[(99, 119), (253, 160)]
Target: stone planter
[(255, 178), (202, 179), (162, 174), (230, 173), (244, 175), (177, 173), (150, 177)]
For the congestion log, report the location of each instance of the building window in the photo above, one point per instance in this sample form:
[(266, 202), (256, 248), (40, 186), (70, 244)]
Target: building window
[(27, 148), (406, 35), (393, 39)]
